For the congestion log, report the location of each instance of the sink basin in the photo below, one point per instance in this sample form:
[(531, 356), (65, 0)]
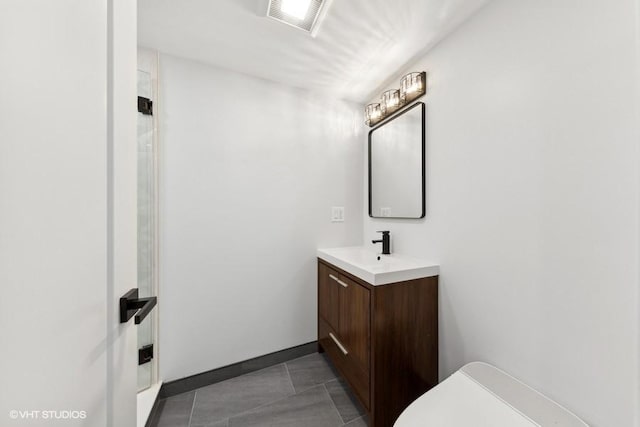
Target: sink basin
[(378, 269)]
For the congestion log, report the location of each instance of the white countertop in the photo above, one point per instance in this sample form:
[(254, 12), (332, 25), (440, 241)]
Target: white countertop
[(364, 264)]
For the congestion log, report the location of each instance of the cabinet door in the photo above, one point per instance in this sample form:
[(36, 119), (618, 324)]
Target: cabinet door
[(354, 328), (328, 295)]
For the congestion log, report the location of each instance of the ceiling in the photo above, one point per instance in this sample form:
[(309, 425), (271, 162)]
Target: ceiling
[(359, 46)]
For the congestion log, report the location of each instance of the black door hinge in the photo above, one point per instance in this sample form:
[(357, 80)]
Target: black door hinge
[(145, 106), (145, 354)]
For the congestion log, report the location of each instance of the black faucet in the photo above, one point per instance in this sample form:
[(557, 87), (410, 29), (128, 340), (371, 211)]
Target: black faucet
[(386, 242)]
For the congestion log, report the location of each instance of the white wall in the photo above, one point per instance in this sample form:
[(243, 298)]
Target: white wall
[(249, 172), (532, 199)]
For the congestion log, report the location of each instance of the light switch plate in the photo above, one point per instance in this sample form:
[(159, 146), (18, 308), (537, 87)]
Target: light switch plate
[(337, 214)]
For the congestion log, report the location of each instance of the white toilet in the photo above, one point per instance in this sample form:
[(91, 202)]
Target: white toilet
[(481, 395)]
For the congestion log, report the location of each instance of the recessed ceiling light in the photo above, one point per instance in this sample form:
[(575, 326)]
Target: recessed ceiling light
[(296, 8), (306, 15)]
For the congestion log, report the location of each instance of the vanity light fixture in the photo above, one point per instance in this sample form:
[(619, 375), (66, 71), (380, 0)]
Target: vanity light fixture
[(412, 87), (372, 114), (306, 15), (390, 101)]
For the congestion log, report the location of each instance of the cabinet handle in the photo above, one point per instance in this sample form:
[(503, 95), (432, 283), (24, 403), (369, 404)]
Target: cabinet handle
[(338, 280), (335, 340)]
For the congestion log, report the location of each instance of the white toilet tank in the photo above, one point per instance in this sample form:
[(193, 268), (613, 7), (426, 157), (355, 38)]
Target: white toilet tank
[(481, 395)]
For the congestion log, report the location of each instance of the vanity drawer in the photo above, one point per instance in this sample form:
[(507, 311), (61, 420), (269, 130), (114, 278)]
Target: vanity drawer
[(346, 306), (328, 295), (354, 372), (355, 320)]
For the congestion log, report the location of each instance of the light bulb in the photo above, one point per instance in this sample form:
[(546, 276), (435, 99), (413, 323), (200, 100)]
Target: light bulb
[(295, 8)]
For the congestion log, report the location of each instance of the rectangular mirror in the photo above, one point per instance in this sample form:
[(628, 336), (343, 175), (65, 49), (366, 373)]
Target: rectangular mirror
[(397, 166)]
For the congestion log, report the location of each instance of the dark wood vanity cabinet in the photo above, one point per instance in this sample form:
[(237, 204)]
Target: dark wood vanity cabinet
[(382, 339)]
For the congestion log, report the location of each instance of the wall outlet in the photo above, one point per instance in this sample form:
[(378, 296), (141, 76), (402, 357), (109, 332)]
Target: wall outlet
[(337, 214)]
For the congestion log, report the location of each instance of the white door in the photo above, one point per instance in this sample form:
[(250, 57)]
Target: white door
[(67, 211)]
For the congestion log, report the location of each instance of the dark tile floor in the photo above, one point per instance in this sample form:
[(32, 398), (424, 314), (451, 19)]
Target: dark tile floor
[(303, 392)]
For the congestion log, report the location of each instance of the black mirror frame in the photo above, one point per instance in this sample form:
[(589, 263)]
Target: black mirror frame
[(424, 170)]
